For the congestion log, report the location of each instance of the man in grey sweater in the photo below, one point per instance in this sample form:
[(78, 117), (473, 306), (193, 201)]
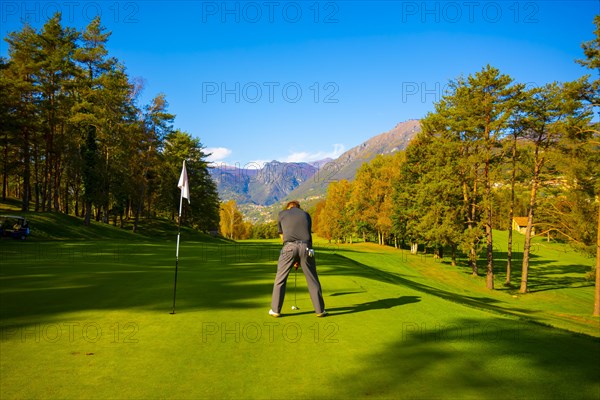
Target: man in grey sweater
[(295, 226)]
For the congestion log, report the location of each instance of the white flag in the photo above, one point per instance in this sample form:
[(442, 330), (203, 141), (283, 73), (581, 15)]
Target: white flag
[(184, 184)]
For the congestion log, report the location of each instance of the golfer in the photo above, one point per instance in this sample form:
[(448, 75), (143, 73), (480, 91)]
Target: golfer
[(294, 226)]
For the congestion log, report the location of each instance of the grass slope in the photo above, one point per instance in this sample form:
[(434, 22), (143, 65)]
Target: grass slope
[(560, 293), (90, 319), (56, 226)]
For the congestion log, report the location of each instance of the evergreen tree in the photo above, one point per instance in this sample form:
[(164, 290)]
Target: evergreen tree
[(8, 125), (405, 214), (492, 98), (473, 116), (511, 155), (156, 124), (203, 210), (71, 131), (22, 95), (90, 173), (54, 81), (591, 51), (549, 115), (433, 197), (90, 106)]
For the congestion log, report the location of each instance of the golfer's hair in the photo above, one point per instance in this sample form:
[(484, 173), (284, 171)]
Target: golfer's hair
[(292, 204)]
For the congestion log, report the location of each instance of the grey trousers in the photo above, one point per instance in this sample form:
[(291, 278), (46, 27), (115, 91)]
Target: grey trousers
[(291, 253)]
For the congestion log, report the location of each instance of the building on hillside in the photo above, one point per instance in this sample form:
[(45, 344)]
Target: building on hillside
[(519, 224)]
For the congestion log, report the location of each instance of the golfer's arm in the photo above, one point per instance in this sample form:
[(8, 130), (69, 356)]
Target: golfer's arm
[(281, 236)]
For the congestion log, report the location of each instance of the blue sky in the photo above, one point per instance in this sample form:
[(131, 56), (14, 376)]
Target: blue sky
[(304, 80)]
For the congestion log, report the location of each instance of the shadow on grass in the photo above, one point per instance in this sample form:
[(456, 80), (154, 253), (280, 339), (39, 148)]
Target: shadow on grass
[(381, 304), (347, 266), (346, 293), (494, 358), (544, 273), (559, 277), (40, 281), (45, 279)]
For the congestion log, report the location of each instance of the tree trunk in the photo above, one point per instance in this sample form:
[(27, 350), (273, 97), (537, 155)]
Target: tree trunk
[(76, 194), (26, 172), (509, 252), (136, 219), (66, 197), (453, 255), (138, 210), (88, 213), (473, 218), (46, 179), (473, 261), (5, 167), (36, 173), (597, 296), (530, 215), (470, 206), (414, 248), (57, 179), (488, 234), (511, 213)]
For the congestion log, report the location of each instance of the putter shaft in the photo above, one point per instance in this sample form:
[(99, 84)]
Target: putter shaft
[(295, 307)]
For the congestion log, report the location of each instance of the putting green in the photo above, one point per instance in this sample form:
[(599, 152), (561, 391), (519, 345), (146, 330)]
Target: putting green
[(92, 320)]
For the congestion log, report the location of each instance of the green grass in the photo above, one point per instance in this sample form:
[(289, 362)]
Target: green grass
[(560, 295), (56, 226), (91, 319)]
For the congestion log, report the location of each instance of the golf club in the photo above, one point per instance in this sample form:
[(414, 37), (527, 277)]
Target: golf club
[(295, 307)]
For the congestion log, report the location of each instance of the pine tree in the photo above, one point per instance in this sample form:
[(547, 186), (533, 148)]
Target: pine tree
[(71, 130), (591, 51), (203, 211), (492, 104), (512, 153), (8, 125), (473, 116), (90, 173), (23, 95), (54, 80), (548, 115)]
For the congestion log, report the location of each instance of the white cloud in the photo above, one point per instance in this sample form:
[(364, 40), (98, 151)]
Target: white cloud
[(304, 156), (219, 157), (217, 154)]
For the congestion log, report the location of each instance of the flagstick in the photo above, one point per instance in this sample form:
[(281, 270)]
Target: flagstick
[(177, 251)]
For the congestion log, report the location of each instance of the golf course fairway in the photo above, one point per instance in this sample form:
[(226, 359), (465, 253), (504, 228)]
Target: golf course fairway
[(92, 320)]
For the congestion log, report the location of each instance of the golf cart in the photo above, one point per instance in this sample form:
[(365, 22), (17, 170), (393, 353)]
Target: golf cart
[(14, 226)]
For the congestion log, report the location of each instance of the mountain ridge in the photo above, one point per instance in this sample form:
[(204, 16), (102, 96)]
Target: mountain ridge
[(277, 182), (347, 164)]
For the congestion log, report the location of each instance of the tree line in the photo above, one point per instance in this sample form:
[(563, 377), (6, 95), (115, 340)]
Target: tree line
[(234, 226), (75, 140), (492, 149)]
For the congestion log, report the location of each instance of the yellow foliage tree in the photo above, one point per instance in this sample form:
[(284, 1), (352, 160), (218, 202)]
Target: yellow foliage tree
[(232, 221)]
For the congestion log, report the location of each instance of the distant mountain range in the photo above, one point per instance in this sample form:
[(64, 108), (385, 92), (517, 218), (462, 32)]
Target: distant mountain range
[(259, 192), (265, 186)]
